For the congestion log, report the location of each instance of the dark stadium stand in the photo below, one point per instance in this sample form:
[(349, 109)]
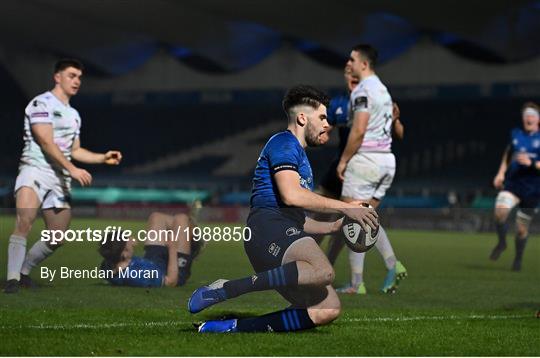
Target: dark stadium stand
[(450, 144)]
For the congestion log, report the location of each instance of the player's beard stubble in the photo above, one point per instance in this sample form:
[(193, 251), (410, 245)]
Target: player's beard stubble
[(315, 138)]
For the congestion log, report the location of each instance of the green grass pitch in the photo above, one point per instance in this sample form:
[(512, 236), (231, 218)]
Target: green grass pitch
[(454, 302)]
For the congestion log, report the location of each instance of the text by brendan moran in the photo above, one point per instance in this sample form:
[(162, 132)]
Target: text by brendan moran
[(65, 272)]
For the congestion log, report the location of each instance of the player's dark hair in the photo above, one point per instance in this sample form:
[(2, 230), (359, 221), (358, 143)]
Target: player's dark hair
[(64, 63), (111, 249), (368, 52), (304, 95), (530, 104)]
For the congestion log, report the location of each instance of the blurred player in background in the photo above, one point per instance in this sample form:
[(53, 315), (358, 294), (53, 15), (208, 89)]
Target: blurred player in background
[(518, 179), (331, 185), (367, 164), (169, 255), (51, 141), (281, 251)]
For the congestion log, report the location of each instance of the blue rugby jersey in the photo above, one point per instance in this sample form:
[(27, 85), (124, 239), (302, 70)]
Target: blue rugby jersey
[(281, 152), (337, 117), (519, 179), (139, 266)]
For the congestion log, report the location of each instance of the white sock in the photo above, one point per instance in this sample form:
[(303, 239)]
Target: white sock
[(385, 249), (16, 252), (39, 252), (356, 260)]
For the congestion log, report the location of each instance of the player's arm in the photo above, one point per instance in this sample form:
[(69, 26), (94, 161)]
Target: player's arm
[(525, 160), (354, 141), (499, 178), (83, 155), (43, 134), (397, 126), (171, 278), (312, 226), (292, 194)]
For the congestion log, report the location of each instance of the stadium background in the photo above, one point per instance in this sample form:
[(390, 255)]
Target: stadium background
[(190, 92)]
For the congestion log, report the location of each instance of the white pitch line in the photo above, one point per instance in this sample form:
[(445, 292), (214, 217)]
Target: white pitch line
[(435, 318), (182, 323)]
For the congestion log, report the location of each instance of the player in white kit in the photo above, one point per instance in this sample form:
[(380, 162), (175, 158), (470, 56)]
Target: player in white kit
[(51, 141), (367, 165)]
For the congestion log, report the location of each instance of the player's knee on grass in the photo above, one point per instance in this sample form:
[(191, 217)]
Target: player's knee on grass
[(327, 310), (322, 316)]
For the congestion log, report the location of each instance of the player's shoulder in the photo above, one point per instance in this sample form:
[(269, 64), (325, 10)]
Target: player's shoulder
[(516, 132), (42, 99), (282, 142), (282, 137)]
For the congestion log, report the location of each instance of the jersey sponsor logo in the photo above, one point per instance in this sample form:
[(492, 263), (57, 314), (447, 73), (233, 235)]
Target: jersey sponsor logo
[(292, 231), (274, 249), (360, 103), (305, 183), (39, 114), (57, 114)]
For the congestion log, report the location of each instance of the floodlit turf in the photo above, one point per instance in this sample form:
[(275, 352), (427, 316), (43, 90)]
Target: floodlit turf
[(455, 302)]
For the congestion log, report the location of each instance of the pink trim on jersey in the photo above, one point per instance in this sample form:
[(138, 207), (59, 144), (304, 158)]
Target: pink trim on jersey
[(383, 145)]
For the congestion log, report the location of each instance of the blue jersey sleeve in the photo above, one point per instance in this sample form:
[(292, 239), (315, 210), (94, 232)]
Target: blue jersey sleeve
[(337, 110), (139, 273), (283, 154)]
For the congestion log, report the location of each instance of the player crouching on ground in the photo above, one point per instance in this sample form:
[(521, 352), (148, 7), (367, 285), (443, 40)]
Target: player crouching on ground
[(166, 262), (282, 252)]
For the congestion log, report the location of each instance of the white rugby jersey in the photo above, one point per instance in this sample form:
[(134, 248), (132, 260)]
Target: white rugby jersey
[(66, 122), (372, 96)]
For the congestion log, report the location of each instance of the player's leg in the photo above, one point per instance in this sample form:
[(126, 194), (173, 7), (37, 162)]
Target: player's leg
[(362, 177), (504, 203), (175, 225), (356, 259), (55, 219), (314, 301), (395, 269), (181, 222), (27, 206), (290, 274), (524, 217)]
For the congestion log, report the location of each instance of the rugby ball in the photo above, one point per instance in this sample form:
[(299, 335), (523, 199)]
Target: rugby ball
[(358, 239)]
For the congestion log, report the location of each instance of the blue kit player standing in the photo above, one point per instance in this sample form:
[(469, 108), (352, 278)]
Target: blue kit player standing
[(283, 254), (518, 179)]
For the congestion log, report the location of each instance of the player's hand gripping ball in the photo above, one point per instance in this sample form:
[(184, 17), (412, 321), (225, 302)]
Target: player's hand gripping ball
[(358, 238)]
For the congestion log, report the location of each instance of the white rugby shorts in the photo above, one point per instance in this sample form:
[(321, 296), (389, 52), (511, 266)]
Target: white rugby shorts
[(52, 189), (369, 175)]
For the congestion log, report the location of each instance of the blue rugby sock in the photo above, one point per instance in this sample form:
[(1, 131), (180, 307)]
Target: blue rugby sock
[(502, 229), (282, 276), (520, 247), (282, 321)]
